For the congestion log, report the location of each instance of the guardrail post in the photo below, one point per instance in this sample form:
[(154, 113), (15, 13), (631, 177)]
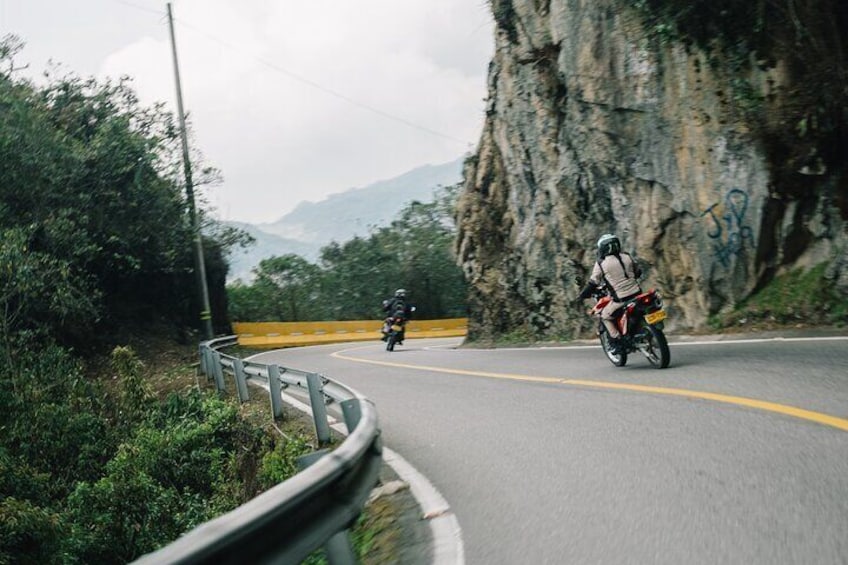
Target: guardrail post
[(352, 412), (319, 410), (276, 391), (338, 548), (202, 367), (241, 380), (207, 362), (212, 359), (218, 368)]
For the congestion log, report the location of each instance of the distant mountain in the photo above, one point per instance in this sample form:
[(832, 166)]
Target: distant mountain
[(340, 217), (242, 262)]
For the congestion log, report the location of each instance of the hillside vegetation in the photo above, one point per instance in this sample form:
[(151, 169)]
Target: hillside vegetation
[(108, 452), (96, 466), (351, 279), (340, 217)]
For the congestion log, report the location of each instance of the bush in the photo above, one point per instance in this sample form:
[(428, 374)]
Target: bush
[(28, 533), (182, 467), (124, 515), (53, 418), (281, 463), (793, 298)]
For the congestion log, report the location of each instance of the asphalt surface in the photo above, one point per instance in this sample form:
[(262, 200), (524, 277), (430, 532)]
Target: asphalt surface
[(737, 453)]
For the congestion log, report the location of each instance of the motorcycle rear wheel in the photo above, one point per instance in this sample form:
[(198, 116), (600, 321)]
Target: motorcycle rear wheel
[(656, 347), (618, 359)]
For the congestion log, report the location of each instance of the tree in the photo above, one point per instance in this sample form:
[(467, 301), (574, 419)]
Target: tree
[(423, 239), (357, 277), (352, 278), (90, 182), (39, 290), (94, 238), (291, 284)]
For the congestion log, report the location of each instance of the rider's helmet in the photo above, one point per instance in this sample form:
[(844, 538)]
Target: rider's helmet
[(400, 293), (608, 244)]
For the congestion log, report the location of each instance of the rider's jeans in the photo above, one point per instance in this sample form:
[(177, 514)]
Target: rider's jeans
[(606, 316)]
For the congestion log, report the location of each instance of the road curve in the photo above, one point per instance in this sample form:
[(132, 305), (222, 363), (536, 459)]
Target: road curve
[(737, 453)]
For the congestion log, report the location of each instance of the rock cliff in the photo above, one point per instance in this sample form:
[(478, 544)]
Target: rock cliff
[(705, 166)]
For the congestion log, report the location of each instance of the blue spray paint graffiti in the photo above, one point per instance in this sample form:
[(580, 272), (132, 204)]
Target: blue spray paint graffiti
[(729, 232)]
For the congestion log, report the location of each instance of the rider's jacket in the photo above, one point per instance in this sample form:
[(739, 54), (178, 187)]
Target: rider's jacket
[(396, 306), (620, 273)]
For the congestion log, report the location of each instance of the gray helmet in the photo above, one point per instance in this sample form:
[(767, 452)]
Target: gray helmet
[(400, 293), (608, 244)]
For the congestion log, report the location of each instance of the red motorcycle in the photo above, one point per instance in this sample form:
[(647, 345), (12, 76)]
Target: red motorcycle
[(640, 322)]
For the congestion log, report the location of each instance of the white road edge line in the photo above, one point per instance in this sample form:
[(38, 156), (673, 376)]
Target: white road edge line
[(674, 343), (448, 548)]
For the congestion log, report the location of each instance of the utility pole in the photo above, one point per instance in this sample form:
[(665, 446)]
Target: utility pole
[(199, 265)]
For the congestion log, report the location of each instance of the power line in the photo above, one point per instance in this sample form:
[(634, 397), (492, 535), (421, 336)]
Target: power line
[(322, 88), (300, 78), (142, 8)]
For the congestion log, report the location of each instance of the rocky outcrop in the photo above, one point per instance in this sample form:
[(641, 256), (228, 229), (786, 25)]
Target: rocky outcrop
[(594, 125)]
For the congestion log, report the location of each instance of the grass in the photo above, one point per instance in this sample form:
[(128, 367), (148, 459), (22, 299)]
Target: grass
[(376, 537), (377, 534), (799, 298)]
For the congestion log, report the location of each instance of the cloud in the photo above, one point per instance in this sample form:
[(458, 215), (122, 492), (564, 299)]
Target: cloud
[(297, 100)]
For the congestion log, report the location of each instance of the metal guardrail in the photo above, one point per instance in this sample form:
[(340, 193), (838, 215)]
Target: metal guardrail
[(315, 507)]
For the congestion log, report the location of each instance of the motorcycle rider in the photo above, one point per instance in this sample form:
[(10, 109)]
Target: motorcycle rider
[(395, 306), (620, 272)]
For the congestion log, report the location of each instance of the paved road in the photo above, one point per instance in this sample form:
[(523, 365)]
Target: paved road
[(737, 453)]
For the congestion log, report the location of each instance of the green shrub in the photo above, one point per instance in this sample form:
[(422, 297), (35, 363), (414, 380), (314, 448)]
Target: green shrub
[(281, 463), (53, 418), (190, 450), (28, 533), (796, 297), (123, 516), (19, 480), (188, 463), (135, 396)]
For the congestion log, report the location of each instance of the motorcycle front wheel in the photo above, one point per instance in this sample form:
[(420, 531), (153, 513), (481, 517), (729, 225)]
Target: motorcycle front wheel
[(618, 359), (390, 341), (656, 347)]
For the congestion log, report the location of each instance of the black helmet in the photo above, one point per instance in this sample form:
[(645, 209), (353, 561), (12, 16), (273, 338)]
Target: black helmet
[(608, 244)]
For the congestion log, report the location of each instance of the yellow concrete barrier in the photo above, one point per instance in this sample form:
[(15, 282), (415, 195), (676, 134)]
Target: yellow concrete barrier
[(291, 334)]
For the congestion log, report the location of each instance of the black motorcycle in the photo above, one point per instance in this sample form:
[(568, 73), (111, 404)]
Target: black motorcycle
[(396, 333), (395, 327)]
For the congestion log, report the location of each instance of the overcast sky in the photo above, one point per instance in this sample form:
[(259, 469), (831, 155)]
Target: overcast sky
[(291, 99)]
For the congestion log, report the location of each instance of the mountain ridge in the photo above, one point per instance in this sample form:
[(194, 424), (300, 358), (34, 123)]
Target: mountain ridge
[(339, 217)]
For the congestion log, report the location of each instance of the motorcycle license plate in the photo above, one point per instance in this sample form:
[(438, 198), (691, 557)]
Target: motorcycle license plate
[(655, 317)]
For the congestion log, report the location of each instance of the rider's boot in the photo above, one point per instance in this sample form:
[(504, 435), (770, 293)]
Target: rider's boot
[(615, 345)]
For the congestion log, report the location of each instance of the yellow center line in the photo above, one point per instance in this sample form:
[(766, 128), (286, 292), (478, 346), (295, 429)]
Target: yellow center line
[(817, 417)]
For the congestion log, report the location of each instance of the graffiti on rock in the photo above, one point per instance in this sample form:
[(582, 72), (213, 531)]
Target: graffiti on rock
[(727, 228)]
